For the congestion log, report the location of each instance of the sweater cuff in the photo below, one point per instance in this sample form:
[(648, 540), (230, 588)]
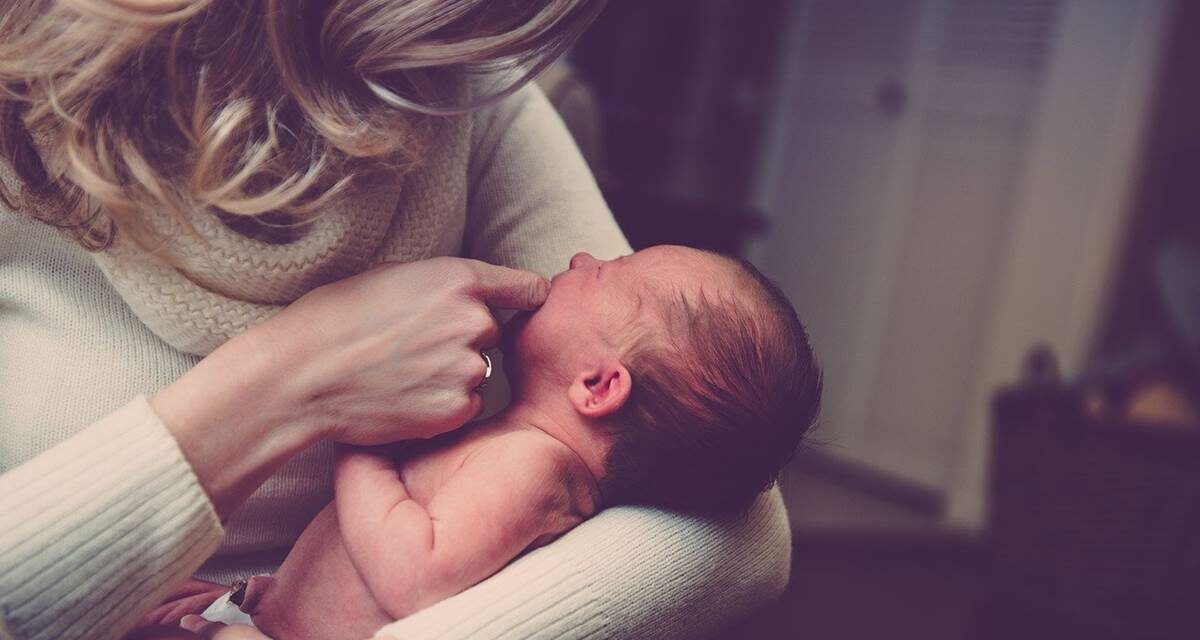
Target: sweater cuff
[(99, 528)]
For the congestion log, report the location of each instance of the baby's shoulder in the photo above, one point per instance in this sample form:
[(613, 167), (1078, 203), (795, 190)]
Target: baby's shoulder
[(528, 450), (553, 475)]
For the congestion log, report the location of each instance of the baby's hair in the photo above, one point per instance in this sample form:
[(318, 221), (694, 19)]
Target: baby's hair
[(242, 107), (721, 400)]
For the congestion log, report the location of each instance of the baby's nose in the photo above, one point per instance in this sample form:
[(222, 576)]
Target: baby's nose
[(581, 259)]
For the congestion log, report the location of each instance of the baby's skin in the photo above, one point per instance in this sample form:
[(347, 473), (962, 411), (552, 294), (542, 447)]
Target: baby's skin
[(421, 522), (403, 535)]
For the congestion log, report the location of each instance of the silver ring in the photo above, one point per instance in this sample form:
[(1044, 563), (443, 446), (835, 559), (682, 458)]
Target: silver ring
[(487, 372)]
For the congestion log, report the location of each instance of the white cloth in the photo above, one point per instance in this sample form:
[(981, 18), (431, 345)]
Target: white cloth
[(226, 612), (100, 514)]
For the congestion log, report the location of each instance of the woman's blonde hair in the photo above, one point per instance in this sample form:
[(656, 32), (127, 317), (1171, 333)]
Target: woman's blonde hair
[(111, 108)]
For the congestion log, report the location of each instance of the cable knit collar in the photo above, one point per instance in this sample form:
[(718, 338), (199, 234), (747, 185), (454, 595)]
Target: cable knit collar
[(221, 282)]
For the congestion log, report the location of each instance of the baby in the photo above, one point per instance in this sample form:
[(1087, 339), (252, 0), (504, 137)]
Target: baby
[(671, 377)]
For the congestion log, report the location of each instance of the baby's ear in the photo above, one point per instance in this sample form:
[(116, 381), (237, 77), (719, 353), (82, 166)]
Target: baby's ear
[(601, 390)]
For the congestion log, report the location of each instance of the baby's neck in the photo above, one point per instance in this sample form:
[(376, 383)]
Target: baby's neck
[(570, 430)]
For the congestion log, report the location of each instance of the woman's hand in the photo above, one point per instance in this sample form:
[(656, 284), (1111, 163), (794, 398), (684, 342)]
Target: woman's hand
[(389, 354), (394, 353)]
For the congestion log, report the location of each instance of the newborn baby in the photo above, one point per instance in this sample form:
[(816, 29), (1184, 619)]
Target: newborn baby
[(672, 377)]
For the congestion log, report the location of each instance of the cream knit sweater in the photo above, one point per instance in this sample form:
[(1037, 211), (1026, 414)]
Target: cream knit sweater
[(100, 514)]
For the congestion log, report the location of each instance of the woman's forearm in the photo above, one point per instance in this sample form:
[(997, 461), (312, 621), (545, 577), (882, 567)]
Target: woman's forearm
[(234, 419), (99, 527), (390, 354)]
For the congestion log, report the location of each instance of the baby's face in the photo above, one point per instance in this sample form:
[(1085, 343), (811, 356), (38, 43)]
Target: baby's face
[(593, 304)]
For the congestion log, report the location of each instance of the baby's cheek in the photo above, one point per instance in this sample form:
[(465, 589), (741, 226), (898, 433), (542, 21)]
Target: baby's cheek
[(270, 621), (263, 603)]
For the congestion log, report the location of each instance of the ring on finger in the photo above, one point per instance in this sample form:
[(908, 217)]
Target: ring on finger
[(487, 372)]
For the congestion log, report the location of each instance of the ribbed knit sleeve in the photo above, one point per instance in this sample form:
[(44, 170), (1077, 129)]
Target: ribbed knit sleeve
[(629, 573), (98, 526), (532, 201)]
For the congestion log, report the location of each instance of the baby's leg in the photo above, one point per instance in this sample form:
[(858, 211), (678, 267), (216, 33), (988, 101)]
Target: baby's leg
[(161, 632), (190, 596)]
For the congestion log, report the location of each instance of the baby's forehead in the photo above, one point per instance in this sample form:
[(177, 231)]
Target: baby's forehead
[(667, 268), (680, 292), (676, 278)]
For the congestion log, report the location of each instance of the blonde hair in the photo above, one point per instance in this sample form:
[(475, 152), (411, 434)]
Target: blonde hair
[(241, 107)]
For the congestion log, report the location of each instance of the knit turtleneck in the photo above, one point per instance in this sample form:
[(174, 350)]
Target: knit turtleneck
[(209, 285)]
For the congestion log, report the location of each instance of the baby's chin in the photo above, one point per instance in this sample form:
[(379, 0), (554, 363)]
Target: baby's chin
[(527, 346), (512, 331)]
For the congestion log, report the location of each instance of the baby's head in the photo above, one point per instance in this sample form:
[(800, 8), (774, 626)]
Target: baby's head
[(693, 365)]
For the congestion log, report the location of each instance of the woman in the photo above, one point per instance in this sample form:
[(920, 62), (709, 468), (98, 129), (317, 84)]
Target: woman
[(239, 173)]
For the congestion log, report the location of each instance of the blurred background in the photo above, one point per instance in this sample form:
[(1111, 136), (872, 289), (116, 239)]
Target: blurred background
[(984, 211)]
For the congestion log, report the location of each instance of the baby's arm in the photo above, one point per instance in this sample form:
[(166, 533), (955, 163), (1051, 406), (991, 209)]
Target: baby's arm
[(490, 510)]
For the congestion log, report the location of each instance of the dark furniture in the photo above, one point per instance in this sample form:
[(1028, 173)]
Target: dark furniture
[(1094, 525)]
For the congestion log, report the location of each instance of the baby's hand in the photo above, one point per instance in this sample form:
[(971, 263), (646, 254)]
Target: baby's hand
[(219, 631), (366, 469)]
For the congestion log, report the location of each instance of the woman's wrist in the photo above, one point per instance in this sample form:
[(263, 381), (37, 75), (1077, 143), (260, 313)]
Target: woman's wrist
[(236, 417)]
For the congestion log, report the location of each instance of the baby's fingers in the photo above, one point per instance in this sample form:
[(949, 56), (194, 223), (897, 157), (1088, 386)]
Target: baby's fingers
[(219, 631)]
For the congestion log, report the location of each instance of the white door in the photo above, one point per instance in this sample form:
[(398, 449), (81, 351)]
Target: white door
[(896, 182)]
